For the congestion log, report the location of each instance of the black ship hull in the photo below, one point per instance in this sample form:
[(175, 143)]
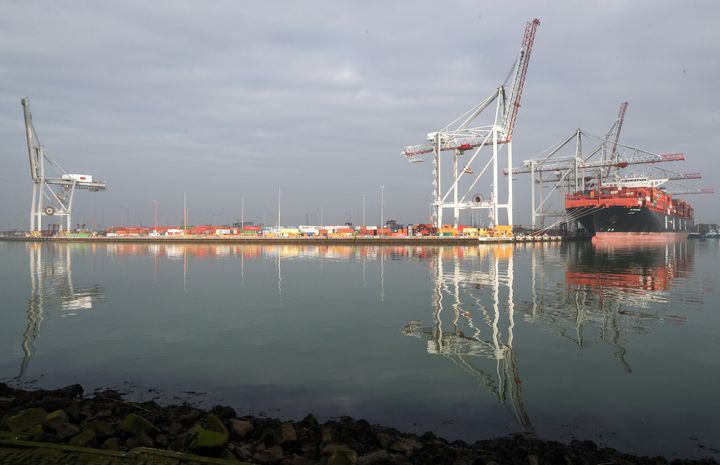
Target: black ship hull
[(618, 222)]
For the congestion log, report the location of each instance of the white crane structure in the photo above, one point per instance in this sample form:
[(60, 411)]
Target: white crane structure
[(460, 136), (554, 171), (52, 194)]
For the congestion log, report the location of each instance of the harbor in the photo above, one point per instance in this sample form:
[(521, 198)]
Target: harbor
[(375, 234)]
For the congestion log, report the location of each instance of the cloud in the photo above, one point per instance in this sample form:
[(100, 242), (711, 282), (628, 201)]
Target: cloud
[(227, 100)]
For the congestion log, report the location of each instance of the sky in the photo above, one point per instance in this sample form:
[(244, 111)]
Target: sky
[(230, 101)]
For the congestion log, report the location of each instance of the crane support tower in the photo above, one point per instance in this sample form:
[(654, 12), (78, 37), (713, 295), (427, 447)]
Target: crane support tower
[(53, 194), (462, 136)]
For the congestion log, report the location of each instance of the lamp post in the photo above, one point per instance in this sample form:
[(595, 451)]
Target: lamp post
[(382, 206), (363, 219)]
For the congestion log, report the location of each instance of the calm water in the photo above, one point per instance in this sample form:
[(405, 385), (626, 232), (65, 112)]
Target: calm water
[(617, 345)]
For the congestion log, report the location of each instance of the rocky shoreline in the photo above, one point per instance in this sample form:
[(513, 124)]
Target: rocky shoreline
[(105, 420)]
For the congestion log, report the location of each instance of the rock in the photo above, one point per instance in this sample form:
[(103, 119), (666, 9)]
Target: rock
[(296, 459), (58, 417), (343, 456), (308, 448), (406, 445), (242, 427), (269, 456), (74, 391), (27, 420), (73, 410), (66, 430), (287, 433), (383, 439), (101, 428), (326, 436), (161, 440), (532, 459), (190, 417), (83, 438), (175, 428), (213, 423), (213, 435), (268, 439), (140, 440), (379, 457), (104, 413), (136, 425), (310, 421), (206, 439), (329, 449), (244, 452), (111, 444), (224, 412), (87, 410)]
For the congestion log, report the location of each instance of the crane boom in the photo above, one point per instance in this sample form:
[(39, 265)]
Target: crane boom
[(562, 165), (521, 72), (458, 135), (618, 128), (29, 136), (702, 190)]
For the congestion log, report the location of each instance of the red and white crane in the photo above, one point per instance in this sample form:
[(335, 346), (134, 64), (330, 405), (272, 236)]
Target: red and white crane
[(461, 135)]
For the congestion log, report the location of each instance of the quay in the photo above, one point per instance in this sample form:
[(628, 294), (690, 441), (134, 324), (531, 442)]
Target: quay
[(370, 240)]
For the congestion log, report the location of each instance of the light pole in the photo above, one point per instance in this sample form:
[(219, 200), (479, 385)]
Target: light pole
[(278, 223), (382, 206), (155, 215), (363, 221), (184, 211), (242, 213)]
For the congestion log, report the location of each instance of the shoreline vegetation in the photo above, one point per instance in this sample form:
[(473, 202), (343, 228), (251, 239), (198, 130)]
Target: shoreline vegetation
[(106, 421)]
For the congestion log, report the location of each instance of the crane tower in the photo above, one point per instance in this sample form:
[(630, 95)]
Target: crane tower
[(52, 194), (461, 136)]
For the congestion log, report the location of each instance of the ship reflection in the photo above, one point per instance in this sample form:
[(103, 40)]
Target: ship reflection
[(610, 294), (52, 287), (478, 301), (616, 289)]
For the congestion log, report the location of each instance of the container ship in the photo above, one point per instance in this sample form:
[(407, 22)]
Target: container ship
[(630, 209)]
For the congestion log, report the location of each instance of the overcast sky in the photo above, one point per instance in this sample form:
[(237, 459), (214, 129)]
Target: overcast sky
[(225, 100)]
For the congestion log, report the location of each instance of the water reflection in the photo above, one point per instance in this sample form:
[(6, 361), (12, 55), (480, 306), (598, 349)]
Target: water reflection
[(610, 293), (608, 296), (478, 301), (52, 286), (483, 301)]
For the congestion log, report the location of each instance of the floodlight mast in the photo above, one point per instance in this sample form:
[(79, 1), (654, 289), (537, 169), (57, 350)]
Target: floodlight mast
[(460, 137), (58, 191)]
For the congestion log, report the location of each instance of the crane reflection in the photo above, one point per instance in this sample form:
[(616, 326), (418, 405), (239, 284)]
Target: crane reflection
[(52, 287), (478, 300), (584, 293)]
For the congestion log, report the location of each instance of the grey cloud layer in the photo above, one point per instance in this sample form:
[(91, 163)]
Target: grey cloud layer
[(232, 99)]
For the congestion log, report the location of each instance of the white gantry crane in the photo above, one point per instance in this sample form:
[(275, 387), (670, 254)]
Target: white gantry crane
[(52, 194), (553, 172), (459, 137)]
